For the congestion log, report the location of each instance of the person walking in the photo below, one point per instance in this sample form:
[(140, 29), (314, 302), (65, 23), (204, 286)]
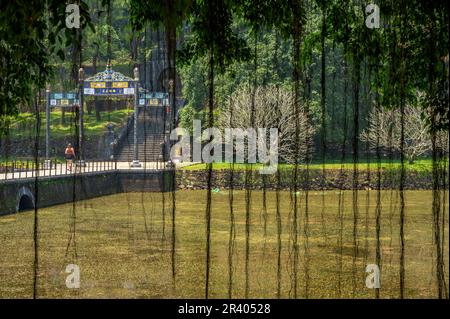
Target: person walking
[(69, 154)]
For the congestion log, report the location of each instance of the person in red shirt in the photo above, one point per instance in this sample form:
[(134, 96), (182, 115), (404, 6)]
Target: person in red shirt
[(69, 155)]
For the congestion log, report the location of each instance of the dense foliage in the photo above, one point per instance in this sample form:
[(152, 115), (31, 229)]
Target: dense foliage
[(321, 49)]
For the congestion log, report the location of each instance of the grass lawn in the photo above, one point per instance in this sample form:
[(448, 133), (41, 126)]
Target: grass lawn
[(418, 165), (30, 163), (123, 247), (23, 125)]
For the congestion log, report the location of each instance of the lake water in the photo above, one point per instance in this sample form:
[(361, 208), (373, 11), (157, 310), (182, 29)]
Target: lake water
[(124, 246)]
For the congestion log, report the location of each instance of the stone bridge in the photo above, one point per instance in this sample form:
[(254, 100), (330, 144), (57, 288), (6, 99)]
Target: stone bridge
[(26, 193)]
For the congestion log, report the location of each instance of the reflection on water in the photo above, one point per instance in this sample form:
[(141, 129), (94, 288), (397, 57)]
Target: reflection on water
[(122, 245)]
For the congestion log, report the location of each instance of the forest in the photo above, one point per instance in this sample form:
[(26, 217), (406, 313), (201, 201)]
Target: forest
[(337, 68)]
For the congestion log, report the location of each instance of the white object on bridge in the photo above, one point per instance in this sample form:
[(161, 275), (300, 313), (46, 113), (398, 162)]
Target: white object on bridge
[(135, 163)]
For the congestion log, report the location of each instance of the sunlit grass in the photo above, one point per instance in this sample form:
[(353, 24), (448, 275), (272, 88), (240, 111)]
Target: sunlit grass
[(25, 123), (424, 164)]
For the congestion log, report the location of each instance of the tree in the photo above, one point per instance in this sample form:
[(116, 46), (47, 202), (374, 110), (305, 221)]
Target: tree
[(385, 127), (171, 14), (272, 109), (30, 34)]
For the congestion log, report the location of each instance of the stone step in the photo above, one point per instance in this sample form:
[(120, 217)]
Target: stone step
[(150, 131)]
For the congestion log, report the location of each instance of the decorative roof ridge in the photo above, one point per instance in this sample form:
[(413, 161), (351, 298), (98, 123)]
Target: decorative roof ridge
[(108, 75)]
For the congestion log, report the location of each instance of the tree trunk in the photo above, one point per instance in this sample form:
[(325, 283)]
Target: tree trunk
[(323, 83), (63, 116), (94, 64), (296, 35), (74, 76), (171, 40)]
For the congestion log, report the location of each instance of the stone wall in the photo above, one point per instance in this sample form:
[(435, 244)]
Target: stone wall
[(57, 190), (65, 189), (333, 179)]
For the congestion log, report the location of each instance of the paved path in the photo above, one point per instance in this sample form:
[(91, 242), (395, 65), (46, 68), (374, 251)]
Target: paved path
[(90, 167)]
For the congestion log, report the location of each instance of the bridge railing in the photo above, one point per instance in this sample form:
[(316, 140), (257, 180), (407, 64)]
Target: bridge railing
[(18, 169)]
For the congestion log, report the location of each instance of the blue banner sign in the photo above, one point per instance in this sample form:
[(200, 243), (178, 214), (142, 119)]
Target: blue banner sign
[(108, 88), (63, 99), (154, 99)]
